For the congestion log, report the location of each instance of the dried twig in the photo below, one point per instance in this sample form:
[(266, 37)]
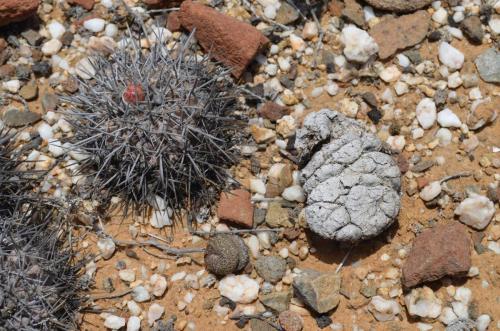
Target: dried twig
[(110, 296), (455, 176), (236, 231), (164, 248)]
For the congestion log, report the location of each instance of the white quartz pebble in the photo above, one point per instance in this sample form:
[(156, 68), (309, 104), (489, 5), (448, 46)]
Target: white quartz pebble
[(56, 29), (51, 47), (450, 56), (476, 211), (430, 191), (155, 312), (94, 24), (359, 46), (294, 193), (448, 119), (114, 322), (134, 323), (240, 289), (426, 113)]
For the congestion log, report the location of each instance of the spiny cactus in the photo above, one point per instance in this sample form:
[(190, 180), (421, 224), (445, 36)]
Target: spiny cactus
[(38, 281), (155, 124)]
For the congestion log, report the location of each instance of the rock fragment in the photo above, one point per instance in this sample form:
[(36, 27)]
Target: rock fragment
[(320, 291), (228, 40), (488, 65), (441, 251), (393, 34), (16, 10), (16, 118), (353, 187), (291, 321), (236, 207), (277, 301), (400, 6), (473, 29)]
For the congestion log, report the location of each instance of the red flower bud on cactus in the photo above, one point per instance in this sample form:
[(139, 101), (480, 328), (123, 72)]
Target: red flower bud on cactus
[(133, 93)]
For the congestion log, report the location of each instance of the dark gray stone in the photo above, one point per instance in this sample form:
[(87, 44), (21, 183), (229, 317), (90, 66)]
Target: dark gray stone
[(271, 268), (15, 118)]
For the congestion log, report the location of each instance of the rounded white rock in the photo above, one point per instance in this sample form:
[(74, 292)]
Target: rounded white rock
[(159, 284), (134, 323), (94, 24), (155, 312), (483, 322), (294, 193), (450, 56), (448, 119), (56, 29), (51, 47), (430, 191), (426, 113)]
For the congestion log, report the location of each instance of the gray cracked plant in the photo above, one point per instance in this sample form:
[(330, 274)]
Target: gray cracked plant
[(353, 186), (156, 124)]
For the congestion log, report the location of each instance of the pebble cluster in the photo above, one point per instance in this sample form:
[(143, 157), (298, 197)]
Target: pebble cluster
[(422, 77)]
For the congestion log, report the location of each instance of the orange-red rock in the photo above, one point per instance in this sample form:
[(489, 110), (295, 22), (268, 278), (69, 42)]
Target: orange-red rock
[(236, 207), (393, 34), (16, 10), (87, 4), (227, 39), (441, 251), (272, 111)]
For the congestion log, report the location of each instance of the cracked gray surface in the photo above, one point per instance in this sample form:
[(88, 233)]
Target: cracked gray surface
[(352, 185)]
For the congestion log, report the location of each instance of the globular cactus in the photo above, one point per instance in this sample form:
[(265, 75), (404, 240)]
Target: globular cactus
[(38, 280), (155, 124)]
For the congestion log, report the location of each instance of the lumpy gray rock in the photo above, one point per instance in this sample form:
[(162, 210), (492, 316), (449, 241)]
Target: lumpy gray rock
[(352, 185)]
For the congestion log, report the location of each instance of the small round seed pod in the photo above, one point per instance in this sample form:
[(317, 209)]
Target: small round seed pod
[(226, 254)]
